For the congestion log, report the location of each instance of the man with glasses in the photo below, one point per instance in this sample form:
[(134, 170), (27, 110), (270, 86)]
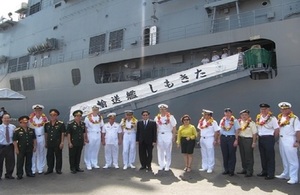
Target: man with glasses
[(146, 138), (76, 138), (54, 136), (166, 132), (268, 129), (6, 146), (25, 144)]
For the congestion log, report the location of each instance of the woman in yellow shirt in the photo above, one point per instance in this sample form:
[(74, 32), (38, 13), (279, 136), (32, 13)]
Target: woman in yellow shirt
[(186, 136)]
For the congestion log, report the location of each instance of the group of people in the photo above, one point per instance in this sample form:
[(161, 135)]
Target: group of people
[(38, 141), (244, 133)]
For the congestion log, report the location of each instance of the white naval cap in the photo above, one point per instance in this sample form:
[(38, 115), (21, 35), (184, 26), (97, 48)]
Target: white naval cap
[(112, 114), (95, 107), (207, 111), (37, 106), (128, 111), (284, 105), (163, 106)]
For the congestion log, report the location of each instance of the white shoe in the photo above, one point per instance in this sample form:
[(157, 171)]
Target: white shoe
[(132, 166), (167, 169), (96, 167), (89, 168), (116, 166), (105, 167), (202, 169), (209, 171), (282, 176), (125, 167), (291, 182)]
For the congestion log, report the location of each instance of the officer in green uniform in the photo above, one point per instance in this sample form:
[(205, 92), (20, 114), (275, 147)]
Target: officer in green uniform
[(76, 139), (25, 144), (54, 136)]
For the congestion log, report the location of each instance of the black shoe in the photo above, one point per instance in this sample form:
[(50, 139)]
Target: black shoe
[(225, 173), (142, 168), (30, 175), (79, 170), (231, 174), (262, 174), (48, 172), (59, 172), (73, 171), (19, 177), (9, 177), (248, 175), (269, 177), (241, 172)]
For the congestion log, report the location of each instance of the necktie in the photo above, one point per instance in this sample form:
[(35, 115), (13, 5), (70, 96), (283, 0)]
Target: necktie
[(145, 123), (7, 135)]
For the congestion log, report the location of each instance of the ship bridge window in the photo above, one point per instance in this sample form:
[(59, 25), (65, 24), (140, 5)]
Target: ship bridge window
[(28, 83), (12, 65), (23, 63), (116, 39), (35, 8), (97, 44), (15, 84), (76, 78)]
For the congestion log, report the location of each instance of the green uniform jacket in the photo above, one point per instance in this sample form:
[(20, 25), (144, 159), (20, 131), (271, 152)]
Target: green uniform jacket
[(54, 133), (76, 132), (25, 139)]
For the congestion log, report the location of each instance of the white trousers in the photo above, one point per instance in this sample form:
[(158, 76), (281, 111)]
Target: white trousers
[(207, 152), (91, 150), (289, 157), (129, 148), (39, 156), (164, 150), (111, 154)]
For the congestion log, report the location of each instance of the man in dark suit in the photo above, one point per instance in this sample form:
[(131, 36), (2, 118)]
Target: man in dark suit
[(146, 138)]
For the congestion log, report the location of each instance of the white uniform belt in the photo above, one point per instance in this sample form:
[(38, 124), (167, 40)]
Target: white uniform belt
[(206, 137), (39, 135), (287, 135)]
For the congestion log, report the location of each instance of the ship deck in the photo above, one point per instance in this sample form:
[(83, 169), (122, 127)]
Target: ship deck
[(133, 181)]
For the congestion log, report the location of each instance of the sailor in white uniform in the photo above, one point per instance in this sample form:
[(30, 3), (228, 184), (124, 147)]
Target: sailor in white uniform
[(215, 56), (128, 125), (225, 53), (37, 119), (205, 59), (289, 138), (111, 139), (166, 132), (209, 132), (93, 123)]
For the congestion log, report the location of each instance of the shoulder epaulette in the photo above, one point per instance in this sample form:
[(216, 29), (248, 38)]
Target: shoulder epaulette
[(60, 122), (18, 128)]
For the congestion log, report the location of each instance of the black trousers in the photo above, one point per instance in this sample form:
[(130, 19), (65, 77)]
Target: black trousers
[(74, 157), (246, 152), (7, 153), (228, 153), (54, 154), (267, 154), (145, 154), (21, 157)]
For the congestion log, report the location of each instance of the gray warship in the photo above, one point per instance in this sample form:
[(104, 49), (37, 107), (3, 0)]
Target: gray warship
[(63, 52)]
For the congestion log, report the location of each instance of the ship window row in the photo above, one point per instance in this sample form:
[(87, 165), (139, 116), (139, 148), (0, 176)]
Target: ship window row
[(18, 64), (28, 84), (98, 43), (35, 8)]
